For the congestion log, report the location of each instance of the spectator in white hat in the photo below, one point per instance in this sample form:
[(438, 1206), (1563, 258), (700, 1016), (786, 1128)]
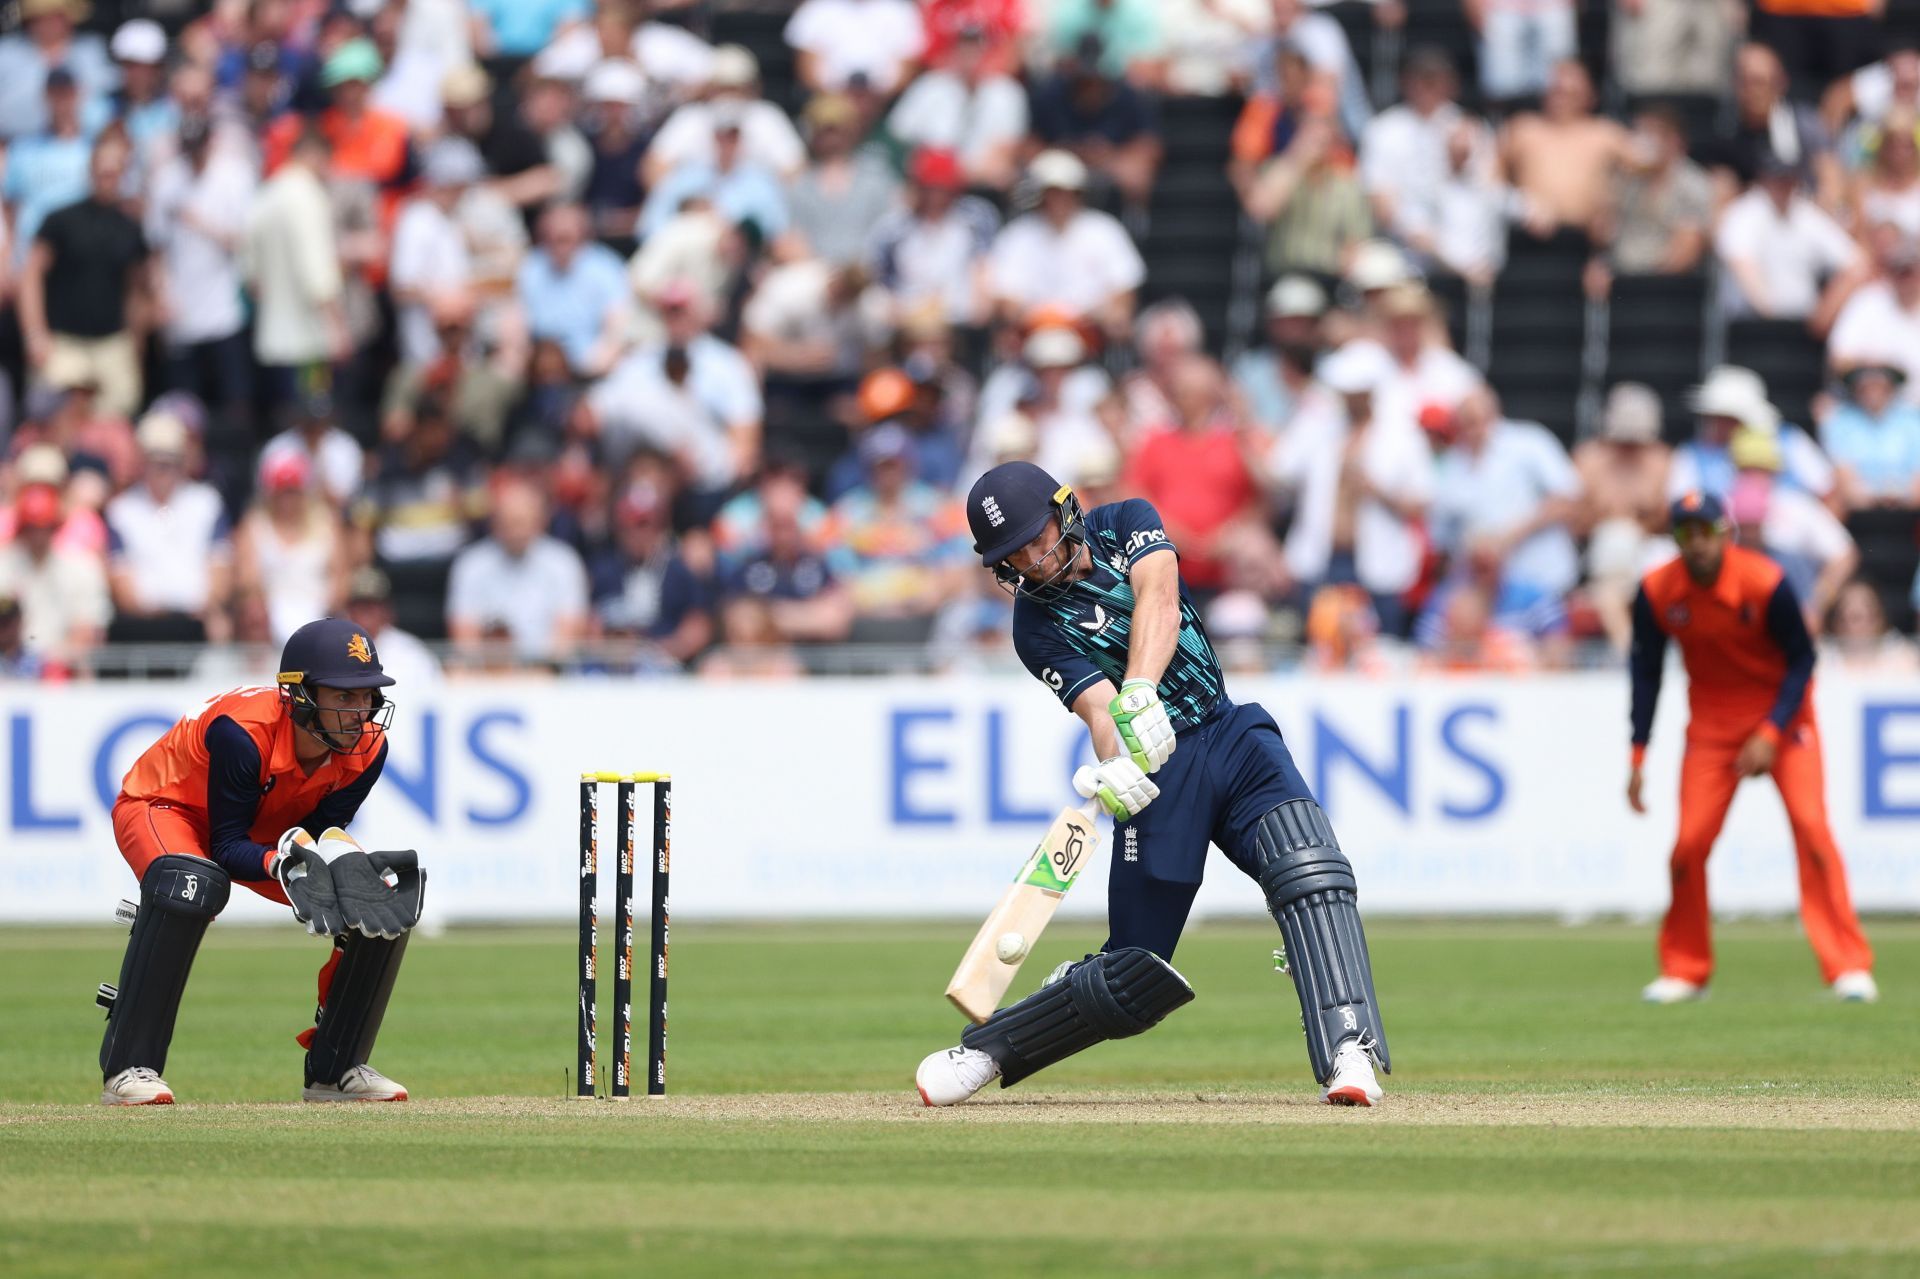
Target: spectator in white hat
[(1065, 255), (613, 97), (1729, 399), (141, 103), (1010, 386), (1069, 431), (1276, 379), (767, 135)]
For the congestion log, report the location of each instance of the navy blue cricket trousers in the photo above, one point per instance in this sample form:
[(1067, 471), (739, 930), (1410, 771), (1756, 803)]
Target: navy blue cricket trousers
[(1222, 778)]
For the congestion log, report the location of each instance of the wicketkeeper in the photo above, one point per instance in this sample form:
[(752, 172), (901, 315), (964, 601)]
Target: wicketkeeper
[(1101, 617), (256, 787)]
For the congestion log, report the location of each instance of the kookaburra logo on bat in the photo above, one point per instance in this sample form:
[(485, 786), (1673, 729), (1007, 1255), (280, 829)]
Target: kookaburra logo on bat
[(1067, 859)]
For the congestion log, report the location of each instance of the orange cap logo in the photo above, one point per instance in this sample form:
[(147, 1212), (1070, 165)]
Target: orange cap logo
[(357, 649)]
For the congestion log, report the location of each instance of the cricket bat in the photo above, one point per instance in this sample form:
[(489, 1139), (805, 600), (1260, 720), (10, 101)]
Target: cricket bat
[(988, 967)]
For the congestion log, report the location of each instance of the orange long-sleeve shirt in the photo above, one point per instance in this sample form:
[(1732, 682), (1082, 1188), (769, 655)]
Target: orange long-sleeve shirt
[(1749, 657), (230, 768)]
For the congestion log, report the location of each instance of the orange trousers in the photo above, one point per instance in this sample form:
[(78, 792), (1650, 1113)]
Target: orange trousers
[(145, 830), (1707, 783)]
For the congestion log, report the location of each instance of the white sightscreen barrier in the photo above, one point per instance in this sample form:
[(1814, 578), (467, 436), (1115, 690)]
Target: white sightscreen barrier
[(921, 797)]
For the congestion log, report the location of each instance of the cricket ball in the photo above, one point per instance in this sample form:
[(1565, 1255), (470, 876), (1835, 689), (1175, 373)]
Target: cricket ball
[(1012, 948)]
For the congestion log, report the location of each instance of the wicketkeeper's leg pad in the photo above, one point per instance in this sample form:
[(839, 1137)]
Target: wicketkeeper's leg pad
[(179, 897), (355, 1003), (1310, 889), (1113, 995)]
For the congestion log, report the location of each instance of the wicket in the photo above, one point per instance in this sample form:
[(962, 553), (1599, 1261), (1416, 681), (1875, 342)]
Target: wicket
[(626, 786)]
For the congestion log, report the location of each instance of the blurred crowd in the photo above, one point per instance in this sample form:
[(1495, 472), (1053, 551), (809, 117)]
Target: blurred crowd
[(534, 335)]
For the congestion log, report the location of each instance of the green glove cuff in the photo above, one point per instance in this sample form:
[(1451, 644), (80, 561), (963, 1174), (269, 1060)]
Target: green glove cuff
[(1123, 721)]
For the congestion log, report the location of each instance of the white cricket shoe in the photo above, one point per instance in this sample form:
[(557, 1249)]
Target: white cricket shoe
[(136, 1086), (952, 1075), (1352, 1082), (361, 1083), (1856, 987), (1672, 990)]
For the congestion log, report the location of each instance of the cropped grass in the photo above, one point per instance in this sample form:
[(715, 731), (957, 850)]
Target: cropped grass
[(1540, 1121)]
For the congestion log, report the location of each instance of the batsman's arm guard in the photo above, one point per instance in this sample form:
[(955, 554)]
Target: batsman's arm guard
[(1310, 889), (179, 897), (1108, 996)]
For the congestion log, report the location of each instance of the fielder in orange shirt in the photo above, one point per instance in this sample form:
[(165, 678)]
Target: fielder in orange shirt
[(256, 787), (1749, 665)]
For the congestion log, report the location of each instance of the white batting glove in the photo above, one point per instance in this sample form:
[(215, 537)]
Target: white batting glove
[(1123, 790), (1145, 730)]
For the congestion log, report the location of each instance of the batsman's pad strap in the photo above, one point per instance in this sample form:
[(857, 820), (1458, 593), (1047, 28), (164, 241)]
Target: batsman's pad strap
[(1109, 996), (1310, 890), (179, 897), (356, 1002)]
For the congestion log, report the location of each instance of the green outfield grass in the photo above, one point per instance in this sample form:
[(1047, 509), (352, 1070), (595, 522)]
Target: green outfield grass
[(1540, 1122)]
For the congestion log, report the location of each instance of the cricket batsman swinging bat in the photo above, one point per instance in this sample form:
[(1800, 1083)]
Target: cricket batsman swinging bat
[(988, 967)]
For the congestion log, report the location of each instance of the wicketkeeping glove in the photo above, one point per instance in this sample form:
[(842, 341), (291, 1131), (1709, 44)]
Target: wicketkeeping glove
[(380, 893), (308, 882), (1145, 730), (1122, 788)]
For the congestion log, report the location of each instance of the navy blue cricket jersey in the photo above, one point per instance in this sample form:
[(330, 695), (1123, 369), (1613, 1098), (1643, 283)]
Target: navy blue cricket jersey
[(1076, 636)]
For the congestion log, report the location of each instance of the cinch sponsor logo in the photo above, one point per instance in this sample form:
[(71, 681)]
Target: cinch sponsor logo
[(1145, 537)]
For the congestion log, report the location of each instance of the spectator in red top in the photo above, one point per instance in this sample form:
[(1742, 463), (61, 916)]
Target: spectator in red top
[(1000, 21), (1195, 472)]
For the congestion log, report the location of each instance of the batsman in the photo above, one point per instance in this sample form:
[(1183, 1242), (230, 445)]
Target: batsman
[(256, 787), (1101, 617)]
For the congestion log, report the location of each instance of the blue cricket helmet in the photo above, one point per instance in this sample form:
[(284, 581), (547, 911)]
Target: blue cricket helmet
[(1008, 506), (332, 652), (1697, 508)]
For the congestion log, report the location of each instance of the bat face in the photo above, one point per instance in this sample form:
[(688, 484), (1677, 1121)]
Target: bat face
[(1022, 912), (1056, 863)]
